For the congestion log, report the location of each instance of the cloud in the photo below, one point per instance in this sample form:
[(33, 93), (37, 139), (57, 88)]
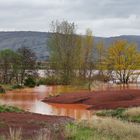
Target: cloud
[(104, 17)]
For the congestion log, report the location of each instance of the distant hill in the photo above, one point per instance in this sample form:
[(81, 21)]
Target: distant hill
[(37, 41)]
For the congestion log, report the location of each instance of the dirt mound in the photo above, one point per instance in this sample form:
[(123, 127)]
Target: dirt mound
[(100, 99), (30, 123)]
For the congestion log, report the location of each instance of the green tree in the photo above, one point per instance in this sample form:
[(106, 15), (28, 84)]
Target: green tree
[(64, 47), (100, 58), (8, 65), (87, 54)]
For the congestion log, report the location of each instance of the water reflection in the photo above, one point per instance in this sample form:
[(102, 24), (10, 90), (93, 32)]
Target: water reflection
[(109, 87), (30, 99)]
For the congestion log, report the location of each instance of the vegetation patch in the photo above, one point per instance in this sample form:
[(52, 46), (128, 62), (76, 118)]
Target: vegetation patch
[(132, 114), (9, 87), (76, 132), (30, 82), (17, 87), (95, 129), (51, 80), (5, 108), (2, 90), (111, 113), (118, 129), (2, 124)]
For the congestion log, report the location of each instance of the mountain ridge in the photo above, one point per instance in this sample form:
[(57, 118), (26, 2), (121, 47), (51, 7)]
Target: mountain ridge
[(37, 41)]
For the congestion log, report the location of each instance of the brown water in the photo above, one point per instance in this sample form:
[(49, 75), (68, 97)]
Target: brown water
[(30, 99)]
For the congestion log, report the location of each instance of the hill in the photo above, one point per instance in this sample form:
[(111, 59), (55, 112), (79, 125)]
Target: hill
[(37, 41)]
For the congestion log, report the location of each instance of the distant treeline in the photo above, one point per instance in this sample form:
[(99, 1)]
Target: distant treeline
[(72, 58), (15, 64), (76, 57)]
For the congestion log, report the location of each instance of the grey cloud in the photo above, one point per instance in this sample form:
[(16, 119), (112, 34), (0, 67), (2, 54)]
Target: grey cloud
[(105, 17)]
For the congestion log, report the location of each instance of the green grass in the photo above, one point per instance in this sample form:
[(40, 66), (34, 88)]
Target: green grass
[(8, 87), (84, 132), (131, 114), (118, 113), (5, 108)]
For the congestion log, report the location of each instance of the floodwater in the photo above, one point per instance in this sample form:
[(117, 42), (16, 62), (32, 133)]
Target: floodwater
[(29, 99)]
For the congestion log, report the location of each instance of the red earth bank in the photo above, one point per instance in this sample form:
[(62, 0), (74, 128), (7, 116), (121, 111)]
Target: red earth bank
[(30, 123), (100, 99)]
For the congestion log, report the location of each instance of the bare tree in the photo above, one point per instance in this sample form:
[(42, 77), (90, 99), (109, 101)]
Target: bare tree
[(27, 62)]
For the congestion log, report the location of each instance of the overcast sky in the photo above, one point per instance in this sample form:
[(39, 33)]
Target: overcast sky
[(104, 17)]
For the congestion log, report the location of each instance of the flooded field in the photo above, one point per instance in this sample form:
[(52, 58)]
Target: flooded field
[(29, 99)]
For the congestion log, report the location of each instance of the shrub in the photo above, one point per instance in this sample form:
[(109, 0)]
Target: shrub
[(17, 87), (4, 108), (2, 90), (111, 113), (51, 80), (41, 81), (131, 114), (30, 82)]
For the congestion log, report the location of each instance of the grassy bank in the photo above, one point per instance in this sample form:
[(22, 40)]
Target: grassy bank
[(103, 129), (131, 114), (97, 129), (9, 87), (5, 108), (111, 127)]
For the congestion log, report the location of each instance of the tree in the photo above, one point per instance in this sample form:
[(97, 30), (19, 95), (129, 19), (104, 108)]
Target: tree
[(123, 58), (8, 65), (64, 47), (100, 54), (88, 61), (100, 57), (27, 62), (87, 54)]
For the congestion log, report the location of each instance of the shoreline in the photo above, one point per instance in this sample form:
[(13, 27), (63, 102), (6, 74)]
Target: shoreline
[(99, 100)]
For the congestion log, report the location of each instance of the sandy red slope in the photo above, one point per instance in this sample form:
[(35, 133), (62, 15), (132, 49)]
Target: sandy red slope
[(30, 123), (100, 99)]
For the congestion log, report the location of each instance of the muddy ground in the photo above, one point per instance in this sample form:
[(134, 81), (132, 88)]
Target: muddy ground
[(31, 124), (100, 99)]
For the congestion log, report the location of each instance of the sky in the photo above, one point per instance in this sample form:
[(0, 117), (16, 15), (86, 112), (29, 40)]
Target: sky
[(105, 17)]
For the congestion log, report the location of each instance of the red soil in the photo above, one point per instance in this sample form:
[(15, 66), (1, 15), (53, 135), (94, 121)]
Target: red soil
[(100, 99), (30, 123)]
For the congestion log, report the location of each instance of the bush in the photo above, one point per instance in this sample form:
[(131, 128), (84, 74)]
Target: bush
[(4, 108), (30, 82), (17, 87), (41, 81), (111, 113), (2, 90), (52, 80), (131, 115)]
